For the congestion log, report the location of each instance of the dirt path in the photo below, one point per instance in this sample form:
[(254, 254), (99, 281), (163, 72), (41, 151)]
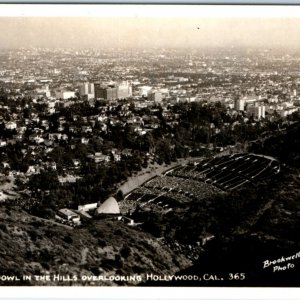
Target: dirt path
[(84, 254)]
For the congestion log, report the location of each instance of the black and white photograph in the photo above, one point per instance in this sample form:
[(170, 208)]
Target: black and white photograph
[(149, 146)]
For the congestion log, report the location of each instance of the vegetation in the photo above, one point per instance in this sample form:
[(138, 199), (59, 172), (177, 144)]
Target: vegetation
[(31, 249), (250, 225)]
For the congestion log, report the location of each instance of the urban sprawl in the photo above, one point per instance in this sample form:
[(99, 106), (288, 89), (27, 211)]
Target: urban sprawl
[(75, 125)]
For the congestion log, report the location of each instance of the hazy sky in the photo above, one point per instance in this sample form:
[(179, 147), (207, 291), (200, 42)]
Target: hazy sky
[(140, 32)]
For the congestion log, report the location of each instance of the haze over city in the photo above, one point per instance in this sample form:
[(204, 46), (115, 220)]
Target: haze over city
[(141, 32)]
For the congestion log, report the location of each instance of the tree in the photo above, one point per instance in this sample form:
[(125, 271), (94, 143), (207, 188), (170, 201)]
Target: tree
[(46, 180)]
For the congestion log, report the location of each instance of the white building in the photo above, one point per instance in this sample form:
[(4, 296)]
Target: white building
[(288, 111), (144, 90), (11, 125), (109, 206), (124, 90), (87, 207), (64, 95)]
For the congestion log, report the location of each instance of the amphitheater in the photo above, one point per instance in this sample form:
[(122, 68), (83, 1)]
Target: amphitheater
[(200, 179)]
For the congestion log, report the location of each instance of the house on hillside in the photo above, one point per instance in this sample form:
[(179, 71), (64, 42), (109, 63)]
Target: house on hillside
[(68, 215)]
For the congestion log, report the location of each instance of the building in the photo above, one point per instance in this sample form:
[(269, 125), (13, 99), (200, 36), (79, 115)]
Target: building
[(127, 221), (155, 96), (87, 207), (109, 206), (87, 90), (11, 125), (144, 90), (288, 111), (165, 92), (239, 104), (43, 91), (97, 88), (113, 91), (99, 157), (68, 215), (105, 92), (257, 112), (124, 90), (64, 95)]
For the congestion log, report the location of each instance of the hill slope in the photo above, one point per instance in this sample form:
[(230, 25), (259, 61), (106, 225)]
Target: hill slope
[(254, 226), (31, 246)]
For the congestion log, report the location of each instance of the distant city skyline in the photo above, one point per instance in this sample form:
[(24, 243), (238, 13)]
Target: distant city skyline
[(148, 32)]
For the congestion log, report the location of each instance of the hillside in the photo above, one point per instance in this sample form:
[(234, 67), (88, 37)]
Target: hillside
[(253, 226), (250, 226), (32, 246)]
